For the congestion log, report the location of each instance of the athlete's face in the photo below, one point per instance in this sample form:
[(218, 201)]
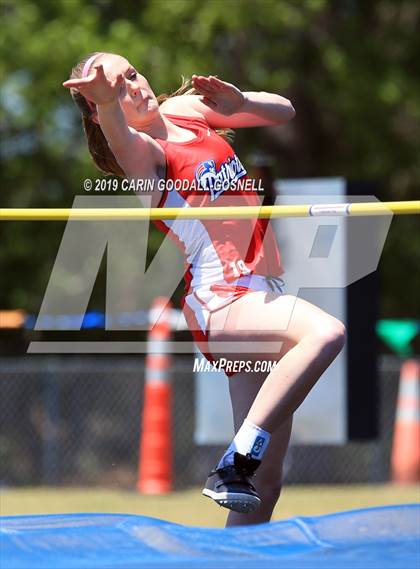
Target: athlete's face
[(137, 99)]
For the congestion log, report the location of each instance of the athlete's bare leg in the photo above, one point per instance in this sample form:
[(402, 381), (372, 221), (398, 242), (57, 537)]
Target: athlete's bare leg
[(243, 388), (258, 317)]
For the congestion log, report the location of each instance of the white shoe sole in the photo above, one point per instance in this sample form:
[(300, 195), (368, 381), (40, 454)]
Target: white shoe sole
[(242, 503)]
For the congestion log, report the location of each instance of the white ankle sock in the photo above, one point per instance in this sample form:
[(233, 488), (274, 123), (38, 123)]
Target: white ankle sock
[(250, 439)]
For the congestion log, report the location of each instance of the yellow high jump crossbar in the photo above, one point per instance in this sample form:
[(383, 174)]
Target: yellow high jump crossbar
[(242, 212)]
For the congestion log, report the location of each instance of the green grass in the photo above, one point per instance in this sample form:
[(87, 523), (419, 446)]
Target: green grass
[(191, 508)]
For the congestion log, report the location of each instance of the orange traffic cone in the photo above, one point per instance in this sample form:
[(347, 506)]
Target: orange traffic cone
[(155, 461), (405, 458)]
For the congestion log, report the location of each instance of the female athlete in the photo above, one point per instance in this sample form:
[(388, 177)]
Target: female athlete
[(234, 298)]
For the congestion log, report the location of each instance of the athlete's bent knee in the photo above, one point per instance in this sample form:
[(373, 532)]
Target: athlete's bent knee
[(333, 336)]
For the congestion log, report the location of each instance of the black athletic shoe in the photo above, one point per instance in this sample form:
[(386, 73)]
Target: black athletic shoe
[(231, 486)]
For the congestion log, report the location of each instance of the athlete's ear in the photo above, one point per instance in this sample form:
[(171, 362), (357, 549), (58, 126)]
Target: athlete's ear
[(94, 117)]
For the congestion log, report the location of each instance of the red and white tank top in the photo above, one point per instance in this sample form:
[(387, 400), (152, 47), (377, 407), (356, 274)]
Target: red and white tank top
[(216, 251)]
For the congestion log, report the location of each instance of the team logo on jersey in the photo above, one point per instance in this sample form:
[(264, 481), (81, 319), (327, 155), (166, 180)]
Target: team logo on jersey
[(217, 181)]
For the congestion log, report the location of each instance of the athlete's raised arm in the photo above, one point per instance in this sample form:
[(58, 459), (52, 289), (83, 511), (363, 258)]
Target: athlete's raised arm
[(135, 152), (224, 105)]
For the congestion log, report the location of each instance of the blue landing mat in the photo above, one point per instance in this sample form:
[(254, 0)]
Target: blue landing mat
[(376, 538)]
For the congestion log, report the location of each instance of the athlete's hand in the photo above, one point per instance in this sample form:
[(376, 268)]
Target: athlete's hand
[(96, 87), (220, 96)]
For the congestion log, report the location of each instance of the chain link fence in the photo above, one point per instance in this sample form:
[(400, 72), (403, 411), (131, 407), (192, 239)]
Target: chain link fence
[(75, 420)]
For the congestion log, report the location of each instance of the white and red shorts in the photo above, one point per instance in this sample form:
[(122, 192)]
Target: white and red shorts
[(201, 302)]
